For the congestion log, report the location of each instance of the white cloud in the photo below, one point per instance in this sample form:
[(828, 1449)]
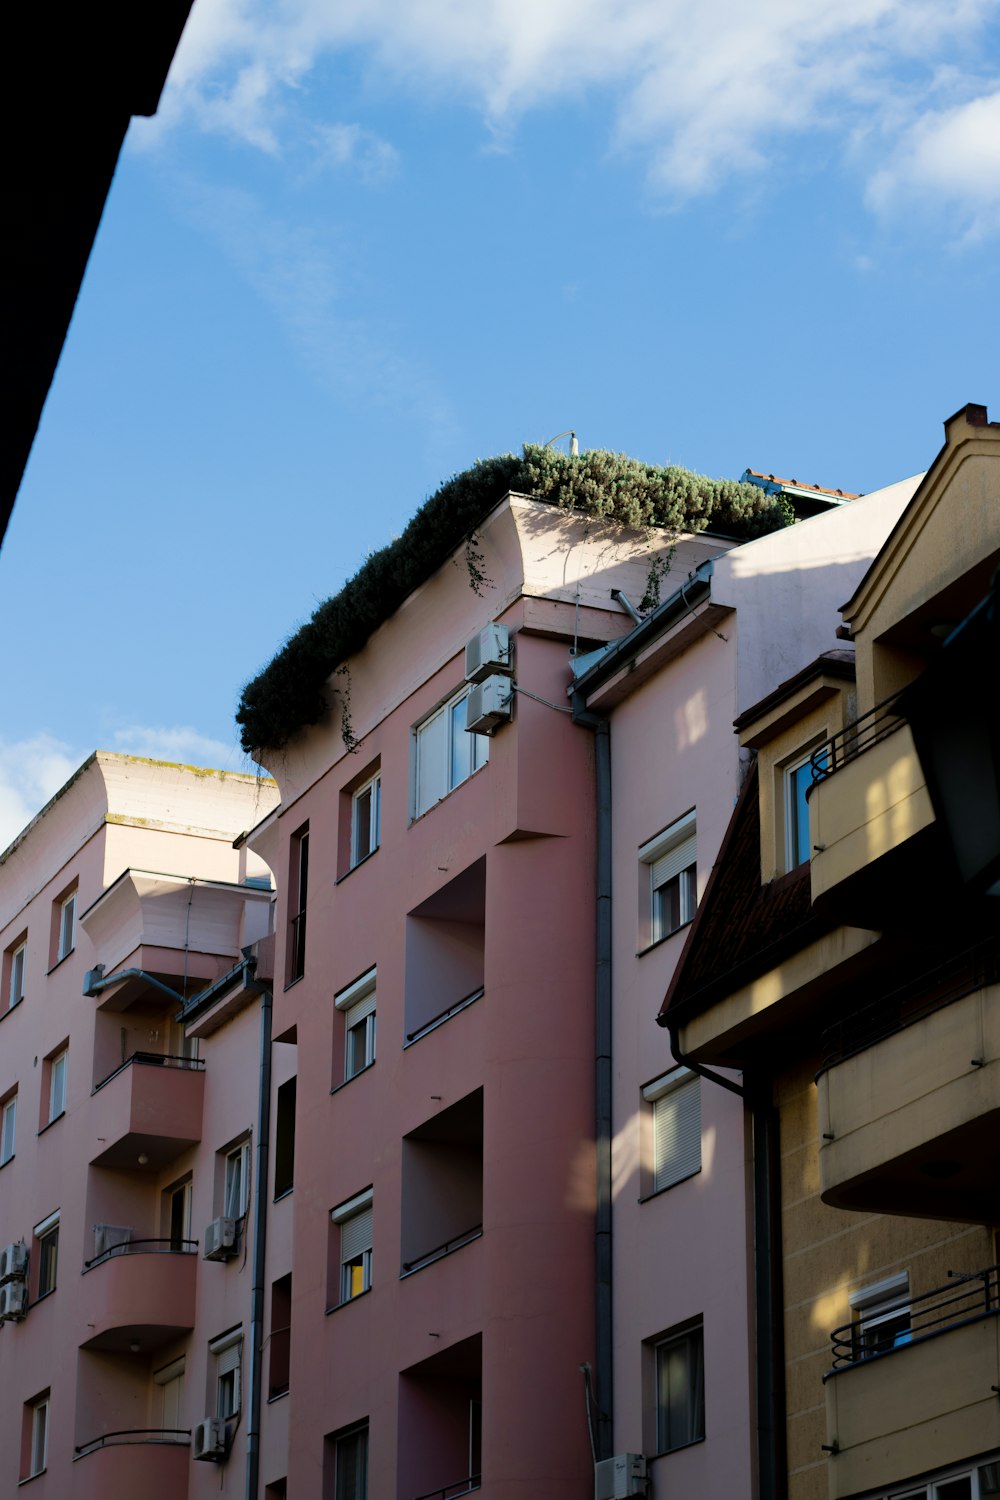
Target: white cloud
[(949, 157), (31, 771), (353, 146), (702, 92)]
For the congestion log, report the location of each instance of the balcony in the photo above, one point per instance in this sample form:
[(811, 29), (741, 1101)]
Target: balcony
[(146, 1461), (869, 798), (140, 1296), (909, 1097), (147, 1112), (923, 1401)]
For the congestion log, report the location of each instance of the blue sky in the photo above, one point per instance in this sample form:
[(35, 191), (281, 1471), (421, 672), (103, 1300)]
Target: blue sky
[(363, 244)]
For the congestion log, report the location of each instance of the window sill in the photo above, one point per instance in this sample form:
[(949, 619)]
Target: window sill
[(679, 1449), (278, 1396), (3, 1017), (8, 1161), (285, 1193), (54, 1121), (293, 982), (58, 964), (29, 1477), (659, 1192), (41, 1298), (359, 1074), (450, 793), (349, 1303), (641, 952), (370, 855)]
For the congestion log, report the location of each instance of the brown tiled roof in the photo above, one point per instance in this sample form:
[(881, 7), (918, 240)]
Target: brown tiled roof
[(741, 927), (801, 484)]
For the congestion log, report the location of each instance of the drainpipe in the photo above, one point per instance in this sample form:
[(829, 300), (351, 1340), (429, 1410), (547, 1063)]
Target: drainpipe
[(259, 1247), (603, 1353)]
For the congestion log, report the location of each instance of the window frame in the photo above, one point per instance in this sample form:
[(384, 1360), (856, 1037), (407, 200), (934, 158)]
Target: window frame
[(373, 786), (39, 1409), (359, 1488), (240, 1150), (67, 927), (680, 1086), (58, 1069), (359, 1207), (358, 1005), (8, 1131), (690, 1336), (169, 1375), (668, 847), (45, 1238), (479, 752), (879, 1306), (298, 892), (15, 967), (227, 1352)]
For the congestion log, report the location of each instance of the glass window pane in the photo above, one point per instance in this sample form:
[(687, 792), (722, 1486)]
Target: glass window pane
[(432, 761), (362, 824), (461, 745)]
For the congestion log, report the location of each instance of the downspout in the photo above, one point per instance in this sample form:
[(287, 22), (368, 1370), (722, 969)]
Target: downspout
[(769, 1335), (603, 1309), (259, 1247)]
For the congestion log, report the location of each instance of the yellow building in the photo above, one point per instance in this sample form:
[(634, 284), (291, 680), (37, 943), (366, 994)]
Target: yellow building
[(851, 974)]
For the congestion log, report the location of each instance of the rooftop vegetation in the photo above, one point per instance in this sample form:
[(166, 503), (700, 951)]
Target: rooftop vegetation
[(293, 691)]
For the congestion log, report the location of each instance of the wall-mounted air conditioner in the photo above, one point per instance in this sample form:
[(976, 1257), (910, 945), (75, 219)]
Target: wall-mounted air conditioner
[(617, 1478), (14, 1261), (108, 1236), (487, 652), (210, 1440), (13, 1301), (221, 1240), (488, 704)]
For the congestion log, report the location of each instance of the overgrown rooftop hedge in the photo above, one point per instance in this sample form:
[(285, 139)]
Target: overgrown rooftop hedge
[(292, 691)]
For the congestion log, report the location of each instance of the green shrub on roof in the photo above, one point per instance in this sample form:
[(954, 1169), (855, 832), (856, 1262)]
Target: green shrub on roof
[(293, 690)]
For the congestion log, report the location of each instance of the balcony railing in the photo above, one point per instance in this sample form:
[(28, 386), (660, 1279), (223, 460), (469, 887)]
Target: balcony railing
[(450, 1491), (143, 1247), (962, 975), (440, 1251), (155, 1059), (173, 1436), (855, 738), (442, 1016), (969, 1297)]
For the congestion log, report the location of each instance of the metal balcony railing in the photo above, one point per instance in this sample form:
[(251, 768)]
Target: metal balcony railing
[(143, 1247), (854, 739), (172, 1436), (450, 1491), (439, 1251), (969, 1297), (443, 1015), (964, 974), (152, 1059)]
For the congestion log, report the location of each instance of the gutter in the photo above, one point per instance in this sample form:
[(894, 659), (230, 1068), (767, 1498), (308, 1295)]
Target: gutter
[(594, 667)]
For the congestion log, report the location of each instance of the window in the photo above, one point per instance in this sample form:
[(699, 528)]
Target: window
[(237, 1181), (57, 1084), (882, 1316), (227, 1350), (676, 1106), (179, 1215), (8, 1128), (797, 778), (168, 1406), (298, 895), (668, 874), (47, 1254), (366, 814), (351, 1465), (67, 926), (445, 754), (280, 1337), (357, 1004), (680, 1389), (284, 1139), (353, 1222), (35, 1437), (14, 961)]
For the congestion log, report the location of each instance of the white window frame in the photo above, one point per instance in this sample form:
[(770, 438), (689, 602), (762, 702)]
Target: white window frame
[(227, 1351), (357, 1002), (356, 1245), (359, 1489), (170, 1375), (58, 1065), (930, 1488), (479, 753), (241, 1154), (671, 856), (8, 1130), (47, 1229), (67, 926), (693, 1337), (15, 983), (374, 786), (875, 1306), (675, 1101), (39, 1454)]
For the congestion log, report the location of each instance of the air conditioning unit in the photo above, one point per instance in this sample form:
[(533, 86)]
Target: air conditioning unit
[(14, 1261), (210, 1440), (13, 1301), (221, 1240), (621, 1476), (488, 704), (108, 1236), (487, 652)]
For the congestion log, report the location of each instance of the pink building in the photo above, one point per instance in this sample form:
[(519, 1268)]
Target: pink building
[(126, 1132)]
